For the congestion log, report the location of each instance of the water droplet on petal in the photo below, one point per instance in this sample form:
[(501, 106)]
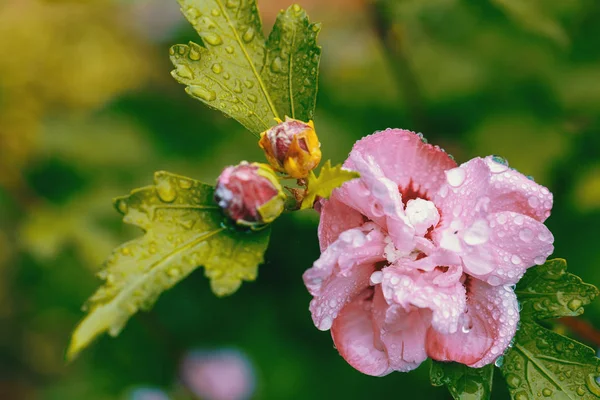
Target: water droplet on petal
[(539, 260), (498, 164), (526, 235), (183, 71), (515, 259), (456, 176), (499, 361), (533, 201)]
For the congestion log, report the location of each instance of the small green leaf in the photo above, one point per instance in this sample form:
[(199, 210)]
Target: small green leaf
[(292, 64), (184, 229), (548, 291), (329, 179), (463, 382), (542, 363)]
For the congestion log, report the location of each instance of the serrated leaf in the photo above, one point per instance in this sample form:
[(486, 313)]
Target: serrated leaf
[(542, 363), (292, 64), (549, 291), (464, 383), (329, 179), (238, 73), (184, 229), (225, 74)]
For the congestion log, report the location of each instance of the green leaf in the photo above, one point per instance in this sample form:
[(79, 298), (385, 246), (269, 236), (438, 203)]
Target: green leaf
[(292, 64), (184, 229), (549, 291), (241, 75), (542, 363), (463, 382), (329, 179)]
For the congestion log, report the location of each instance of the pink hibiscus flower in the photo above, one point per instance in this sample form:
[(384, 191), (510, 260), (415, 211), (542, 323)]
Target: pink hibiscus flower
[(420, 257)]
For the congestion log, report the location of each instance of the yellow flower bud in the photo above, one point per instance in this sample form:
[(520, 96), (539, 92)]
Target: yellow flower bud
[(292, 147)]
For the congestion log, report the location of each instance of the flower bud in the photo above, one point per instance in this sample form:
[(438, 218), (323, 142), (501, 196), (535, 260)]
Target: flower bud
[(292, 147), (250, 194)]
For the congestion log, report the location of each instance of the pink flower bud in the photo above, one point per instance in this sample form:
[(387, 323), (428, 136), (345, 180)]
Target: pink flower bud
[(250, 194)]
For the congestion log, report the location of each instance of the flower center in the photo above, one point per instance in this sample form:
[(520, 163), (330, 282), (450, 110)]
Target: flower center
[(422, 215)]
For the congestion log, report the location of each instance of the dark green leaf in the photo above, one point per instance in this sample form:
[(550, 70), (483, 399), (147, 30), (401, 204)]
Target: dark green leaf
[(463, 382), (548, 291), (542, 363), (292, 64), (184, 229)]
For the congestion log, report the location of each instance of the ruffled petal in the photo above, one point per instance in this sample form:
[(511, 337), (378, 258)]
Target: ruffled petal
[(417, 168), (512, 191), (482, 186), (410, 287), (488, 327), (401, 333), (383, 202), (354, 336), (343, 271), (516, 242), (336, 217)]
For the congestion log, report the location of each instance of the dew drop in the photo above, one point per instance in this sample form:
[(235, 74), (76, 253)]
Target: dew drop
[(201, 92), (276, 65), (166, 191), (229, 49), (174, 272), (521, 396), (122, 206), (498, 165), (574, 304), (539, 260), (592, 384), (217, 68), (526, 235), (456, 176), (215, 12), (547, 392), (185, 183), (248, 35), (212, 39), (513, 381), (499, 362), (183, 71), (194, 54), (252, 98), (515, 259), (533, 201)]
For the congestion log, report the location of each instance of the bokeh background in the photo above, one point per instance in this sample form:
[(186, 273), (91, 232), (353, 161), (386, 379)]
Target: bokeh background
[(88, 111)]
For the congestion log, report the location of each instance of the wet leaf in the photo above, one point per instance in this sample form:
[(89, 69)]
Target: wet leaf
[(238, 73), (292, 64), (225, 74), (322, 186), (464, 383), (184, 229), (549, 291), (542, 363)]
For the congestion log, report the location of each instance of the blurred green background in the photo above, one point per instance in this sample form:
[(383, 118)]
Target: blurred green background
[(88, 111)]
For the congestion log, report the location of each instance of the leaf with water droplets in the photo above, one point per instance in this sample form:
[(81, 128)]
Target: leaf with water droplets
[(463, 382), (184, 229), (292, 64), (225, 73), (329, 179), (543, 363), (549, 291)]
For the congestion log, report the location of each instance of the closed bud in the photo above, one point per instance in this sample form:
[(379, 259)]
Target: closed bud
[(250, 194), (292, 147)]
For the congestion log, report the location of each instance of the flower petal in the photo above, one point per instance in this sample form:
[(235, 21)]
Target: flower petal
[(512, 191), (343, 271), (489, 326), (336, 217), (401, 333), (410, 287), (417, 168), (383, 203), (354, 337), (516, 242)]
